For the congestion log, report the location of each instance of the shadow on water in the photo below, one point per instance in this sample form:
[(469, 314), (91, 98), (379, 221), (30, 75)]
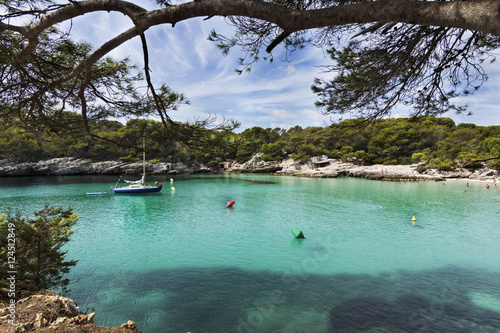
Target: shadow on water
[(259, 182), (233, 300), (225, 178), (22, 182), (410, 313)]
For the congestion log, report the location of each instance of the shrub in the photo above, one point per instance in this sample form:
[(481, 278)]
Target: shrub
[(129, 158), (445, 167), (214, 164), (421, 168), (36, 244), (419, 157), (495, 165), (474, 165)]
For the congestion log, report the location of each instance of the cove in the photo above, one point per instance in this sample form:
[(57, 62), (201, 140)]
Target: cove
[(180, 261)]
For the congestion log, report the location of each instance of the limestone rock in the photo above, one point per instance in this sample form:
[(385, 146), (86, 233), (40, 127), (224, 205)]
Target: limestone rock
[(61, 321), (315, 167), (83, 319), (257, 165), (40, 321), (129, 325), (53, 313)]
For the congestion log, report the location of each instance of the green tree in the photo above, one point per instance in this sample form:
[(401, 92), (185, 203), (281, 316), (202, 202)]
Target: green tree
[(465, 140), (405, 65), (397, 141), (16, 142), (422, 53), (39, 248), (493, 147), (273, 151), (252, 139), (64, 87)]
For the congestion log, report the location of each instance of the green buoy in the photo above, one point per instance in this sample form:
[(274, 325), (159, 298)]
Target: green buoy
[(297, 233)]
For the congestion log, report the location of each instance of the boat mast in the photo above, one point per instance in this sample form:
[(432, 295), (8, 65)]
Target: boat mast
[(143, 159)]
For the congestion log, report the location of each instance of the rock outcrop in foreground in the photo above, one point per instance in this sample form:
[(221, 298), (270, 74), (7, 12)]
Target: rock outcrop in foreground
[(52, 313)]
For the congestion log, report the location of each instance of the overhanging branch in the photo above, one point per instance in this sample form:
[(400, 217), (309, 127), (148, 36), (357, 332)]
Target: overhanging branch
[(278, 40)]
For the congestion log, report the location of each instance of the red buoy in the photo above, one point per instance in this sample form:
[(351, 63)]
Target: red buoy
[(230, 204)]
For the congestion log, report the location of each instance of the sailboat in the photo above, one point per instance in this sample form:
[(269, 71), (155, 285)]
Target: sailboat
[(138, 186)]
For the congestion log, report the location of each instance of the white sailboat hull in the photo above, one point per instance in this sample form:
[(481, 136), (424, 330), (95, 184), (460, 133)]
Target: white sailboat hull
[(137, 188)]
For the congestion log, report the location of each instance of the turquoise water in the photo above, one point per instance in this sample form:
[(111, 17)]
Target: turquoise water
[(180, 261)]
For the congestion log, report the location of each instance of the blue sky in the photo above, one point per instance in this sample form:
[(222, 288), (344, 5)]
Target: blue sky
[(274, 94)]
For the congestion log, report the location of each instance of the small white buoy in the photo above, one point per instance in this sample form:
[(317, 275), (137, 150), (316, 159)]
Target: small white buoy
[(172, 188), (171, 180)]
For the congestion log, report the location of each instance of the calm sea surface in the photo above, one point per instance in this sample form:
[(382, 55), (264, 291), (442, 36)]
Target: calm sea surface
[(180, 261)]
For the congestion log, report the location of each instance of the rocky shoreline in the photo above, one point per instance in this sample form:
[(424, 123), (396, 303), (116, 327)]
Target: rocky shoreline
[(319, 167), (49, 312)]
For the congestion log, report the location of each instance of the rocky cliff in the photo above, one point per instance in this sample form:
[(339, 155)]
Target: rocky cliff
[(74, 166), (321, 167)]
